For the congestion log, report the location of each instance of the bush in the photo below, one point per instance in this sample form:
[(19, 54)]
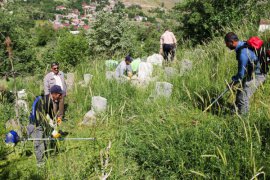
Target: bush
[(202, 20), (71, 49), (44, 33), (110, 34)]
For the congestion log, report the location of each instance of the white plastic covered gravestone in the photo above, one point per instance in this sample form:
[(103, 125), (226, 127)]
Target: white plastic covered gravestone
[(87, 78), (155, 59), (145, 71), (264, 25), (22, 94), (99, 104), (22, 104), (70, 80), (163, 89)]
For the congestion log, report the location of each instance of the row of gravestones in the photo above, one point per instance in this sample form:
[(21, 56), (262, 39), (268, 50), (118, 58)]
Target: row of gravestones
[(99, 104), (162, 89)]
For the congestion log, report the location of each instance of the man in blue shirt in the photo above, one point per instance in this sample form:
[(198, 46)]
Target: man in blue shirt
[(249, 72)]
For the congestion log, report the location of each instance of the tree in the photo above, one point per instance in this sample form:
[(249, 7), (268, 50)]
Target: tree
[(202, 20), (44, 33), (110, 33), (71, 49)]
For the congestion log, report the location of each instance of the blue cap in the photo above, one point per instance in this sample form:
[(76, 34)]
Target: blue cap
[(128, 58), (56, 89)]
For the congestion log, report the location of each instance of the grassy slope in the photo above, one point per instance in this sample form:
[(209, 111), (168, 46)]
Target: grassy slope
[(157, 139), (148, 4)]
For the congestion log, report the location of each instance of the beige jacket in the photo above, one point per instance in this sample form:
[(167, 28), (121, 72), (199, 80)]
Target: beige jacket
[(49, 81)]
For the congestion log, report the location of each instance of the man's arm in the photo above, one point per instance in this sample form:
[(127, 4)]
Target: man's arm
[(242, 65), (174, 39), (129, 69)]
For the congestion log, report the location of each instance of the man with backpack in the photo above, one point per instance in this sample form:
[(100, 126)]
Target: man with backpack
[(249, 74), (43, 121)]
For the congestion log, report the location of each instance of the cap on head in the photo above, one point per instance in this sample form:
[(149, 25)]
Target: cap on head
[(128, 58), (54, 64), (56, 89), (229, 37)]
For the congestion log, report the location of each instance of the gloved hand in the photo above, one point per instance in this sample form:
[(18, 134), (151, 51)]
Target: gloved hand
[(59, 120), (56, 134), (51, 123), (129, 74)]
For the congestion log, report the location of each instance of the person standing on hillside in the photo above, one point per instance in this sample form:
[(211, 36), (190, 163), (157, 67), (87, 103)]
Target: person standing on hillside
[(42, 121), (124, 68), (56, 77), (167, 45), (249, 74)]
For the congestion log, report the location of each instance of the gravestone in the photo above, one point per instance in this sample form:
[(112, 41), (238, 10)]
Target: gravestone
[(99, 104), (186, 66), (145, 70), (170, 71), (87, 78), (22, 104), (111, 64), (22, 94), (155, 59), (264, 25), (12, 124), (89, 118), (70, 80), (163, 89), (110, 75)]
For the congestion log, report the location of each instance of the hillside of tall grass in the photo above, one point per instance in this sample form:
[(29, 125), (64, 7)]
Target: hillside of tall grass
[(154, 138)]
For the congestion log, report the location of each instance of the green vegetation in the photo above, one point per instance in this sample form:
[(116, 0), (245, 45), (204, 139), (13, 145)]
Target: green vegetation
[(151, 139), (203, 20)]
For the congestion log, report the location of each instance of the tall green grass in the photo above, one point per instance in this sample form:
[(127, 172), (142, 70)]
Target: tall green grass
[(155, 139)]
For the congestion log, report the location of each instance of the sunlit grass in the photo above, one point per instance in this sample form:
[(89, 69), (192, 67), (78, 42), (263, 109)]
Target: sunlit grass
[(162, 138)]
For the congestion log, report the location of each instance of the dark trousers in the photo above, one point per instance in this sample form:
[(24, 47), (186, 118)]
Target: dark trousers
[(39, 146), (58, 107), (169, 49)]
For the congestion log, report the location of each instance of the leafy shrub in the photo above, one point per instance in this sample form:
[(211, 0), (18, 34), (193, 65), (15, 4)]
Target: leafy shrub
[(71, 49), (44, 33), (202, 20), (111, 33)]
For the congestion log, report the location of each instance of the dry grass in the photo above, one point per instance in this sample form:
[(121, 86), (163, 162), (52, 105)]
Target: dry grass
[(149, 4)]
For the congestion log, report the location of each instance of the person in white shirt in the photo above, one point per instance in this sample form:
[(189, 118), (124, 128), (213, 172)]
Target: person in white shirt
[(168, 44), (56, 77), (124, 68)]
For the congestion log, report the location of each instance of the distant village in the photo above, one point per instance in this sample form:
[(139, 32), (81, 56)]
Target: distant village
[(73, 19)]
